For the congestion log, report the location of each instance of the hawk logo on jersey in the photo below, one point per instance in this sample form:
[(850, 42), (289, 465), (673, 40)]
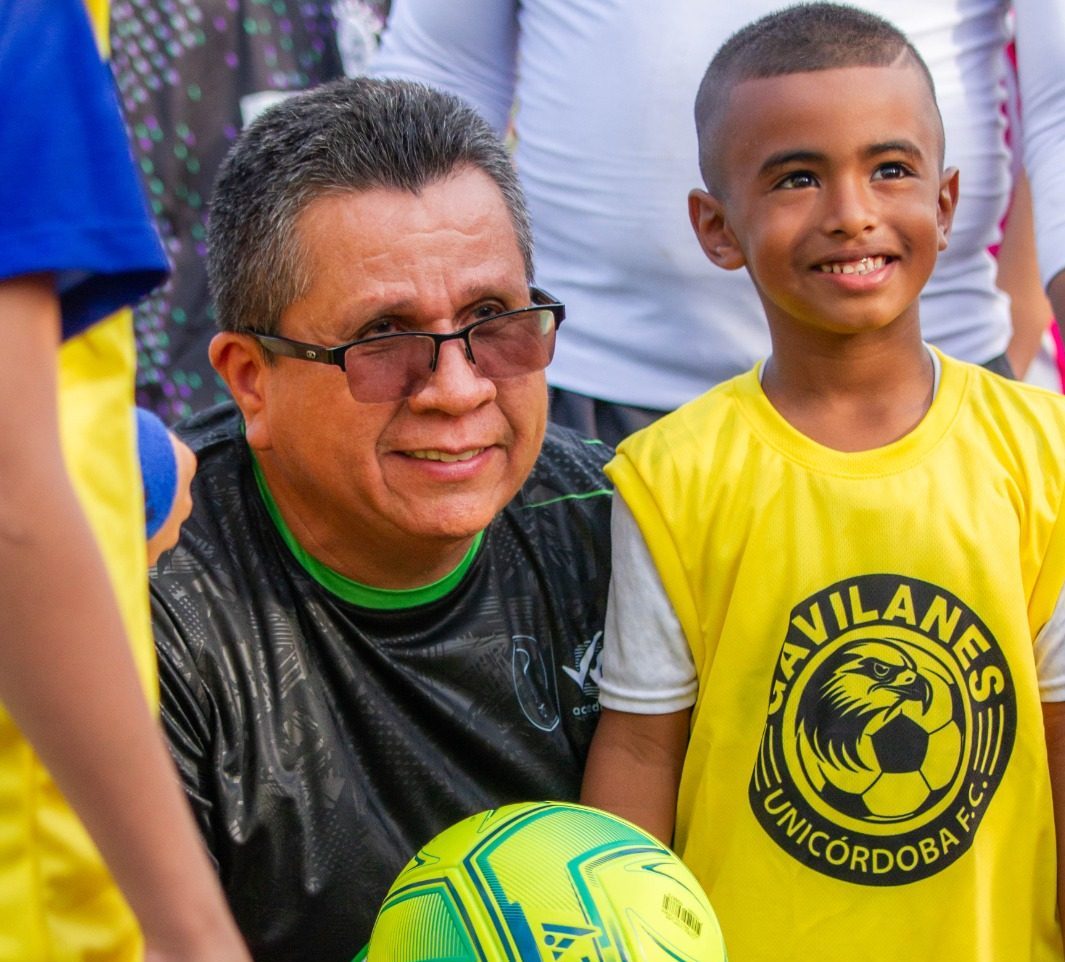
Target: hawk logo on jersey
[(891, 719)]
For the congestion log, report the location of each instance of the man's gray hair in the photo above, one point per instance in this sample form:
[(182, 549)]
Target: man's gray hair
[(352, 135)]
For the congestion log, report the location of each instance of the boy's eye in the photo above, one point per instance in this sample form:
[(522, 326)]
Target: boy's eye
[(797, 180), (891, 171)]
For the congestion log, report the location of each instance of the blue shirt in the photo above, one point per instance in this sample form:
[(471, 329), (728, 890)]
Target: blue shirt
[(70, 198)]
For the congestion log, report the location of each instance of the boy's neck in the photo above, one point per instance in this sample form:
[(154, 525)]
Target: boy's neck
[(851, 393)]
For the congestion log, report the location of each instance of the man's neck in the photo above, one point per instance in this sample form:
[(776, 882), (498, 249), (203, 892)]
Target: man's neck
[(331, 553), (851, 394)]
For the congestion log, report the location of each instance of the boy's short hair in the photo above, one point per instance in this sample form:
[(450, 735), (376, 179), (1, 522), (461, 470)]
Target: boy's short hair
[(799, 39)]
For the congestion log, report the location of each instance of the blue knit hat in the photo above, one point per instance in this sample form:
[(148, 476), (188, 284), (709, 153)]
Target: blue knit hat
[(158, 469)]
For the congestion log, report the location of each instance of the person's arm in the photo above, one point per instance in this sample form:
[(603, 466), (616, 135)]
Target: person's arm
[(1040, 32), (634, 767), (469, 49), (1056, 294), (67, 675), (647, 687), (1054, 723), (1018, 276)]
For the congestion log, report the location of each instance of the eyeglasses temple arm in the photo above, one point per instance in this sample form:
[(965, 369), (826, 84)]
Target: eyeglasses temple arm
[(286, 347)]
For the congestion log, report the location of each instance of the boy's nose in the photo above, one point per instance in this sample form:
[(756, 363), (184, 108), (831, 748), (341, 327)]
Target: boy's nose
[(851, 209)]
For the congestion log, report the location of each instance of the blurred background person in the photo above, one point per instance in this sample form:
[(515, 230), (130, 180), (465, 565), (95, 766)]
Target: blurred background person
[(192, 74)]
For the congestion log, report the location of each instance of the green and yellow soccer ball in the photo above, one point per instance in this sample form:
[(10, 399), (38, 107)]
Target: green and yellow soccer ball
[(545, 882)]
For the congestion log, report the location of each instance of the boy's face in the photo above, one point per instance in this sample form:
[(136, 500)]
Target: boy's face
[(834, 197)]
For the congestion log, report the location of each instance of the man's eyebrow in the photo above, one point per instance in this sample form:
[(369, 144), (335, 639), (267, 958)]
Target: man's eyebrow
[(405, 307)]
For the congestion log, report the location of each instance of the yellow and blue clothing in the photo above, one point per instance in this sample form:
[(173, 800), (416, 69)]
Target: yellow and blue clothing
[(867, 771), (73, 208)]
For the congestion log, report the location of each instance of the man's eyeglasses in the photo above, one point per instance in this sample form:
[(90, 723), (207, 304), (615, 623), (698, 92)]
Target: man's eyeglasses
[(390, 367)]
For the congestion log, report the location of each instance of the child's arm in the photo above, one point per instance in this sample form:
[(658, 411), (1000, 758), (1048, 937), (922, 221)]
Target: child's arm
[(1054, 723), (649, 679), (634, 767), (66, 672)]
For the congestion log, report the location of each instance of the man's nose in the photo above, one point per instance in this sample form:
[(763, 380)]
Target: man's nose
[(456, 385)]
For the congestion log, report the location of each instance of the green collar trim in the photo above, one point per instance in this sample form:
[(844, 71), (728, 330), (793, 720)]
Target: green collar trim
[(365, 596)]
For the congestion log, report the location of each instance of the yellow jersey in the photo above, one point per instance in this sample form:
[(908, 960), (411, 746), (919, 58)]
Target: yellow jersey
[(867, 773)]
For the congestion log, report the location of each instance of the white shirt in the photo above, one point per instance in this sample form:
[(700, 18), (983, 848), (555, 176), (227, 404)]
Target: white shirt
[(607, 154)]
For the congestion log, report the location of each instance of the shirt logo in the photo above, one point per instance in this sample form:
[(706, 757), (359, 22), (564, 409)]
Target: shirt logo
[(587, 673), (533, 671), (536, 682), (892, 716)]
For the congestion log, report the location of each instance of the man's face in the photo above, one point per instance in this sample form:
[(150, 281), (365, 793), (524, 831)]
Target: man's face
[(366, 487), (834, 198)]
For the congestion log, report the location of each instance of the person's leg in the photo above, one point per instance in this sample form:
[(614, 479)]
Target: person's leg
[(594, 418)]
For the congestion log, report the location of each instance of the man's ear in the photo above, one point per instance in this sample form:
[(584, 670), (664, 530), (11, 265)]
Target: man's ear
[(948, 203), (239, 361), (707, 215)]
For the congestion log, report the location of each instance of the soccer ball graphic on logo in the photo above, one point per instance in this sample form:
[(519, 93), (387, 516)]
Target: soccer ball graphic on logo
[(545, 882), (879, 730)]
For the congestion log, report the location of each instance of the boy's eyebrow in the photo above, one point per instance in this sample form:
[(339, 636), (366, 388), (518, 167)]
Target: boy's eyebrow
[(907, 147), (786, 158)]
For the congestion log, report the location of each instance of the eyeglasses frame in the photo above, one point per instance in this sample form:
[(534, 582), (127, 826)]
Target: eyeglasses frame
[(303, 351)]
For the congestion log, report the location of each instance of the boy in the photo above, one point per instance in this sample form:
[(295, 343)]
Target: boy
[(837, 579)]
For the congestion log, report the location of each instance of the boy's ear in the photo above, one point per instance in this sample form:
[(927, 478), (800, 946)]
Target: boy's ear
[(707, 215), (948, 202), (240, 362)]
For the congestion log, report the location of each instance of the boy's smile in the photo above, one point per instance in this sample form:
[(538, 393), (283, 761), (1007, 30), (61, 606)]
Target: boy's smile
[(833, 196)]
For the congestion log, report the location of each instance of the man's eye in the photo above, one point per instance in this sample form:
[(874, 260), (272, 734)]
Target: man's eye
[(483, 311), (377, 328), (892, 171), (797, 180)]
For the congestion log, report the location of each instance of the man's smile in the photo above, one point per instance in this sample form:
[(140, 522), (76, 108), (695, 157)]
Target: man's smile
[(431, 454)]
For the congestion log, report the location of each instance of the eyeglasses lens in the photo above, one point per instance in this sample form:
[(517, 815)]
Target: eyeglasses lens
[(397, 367)]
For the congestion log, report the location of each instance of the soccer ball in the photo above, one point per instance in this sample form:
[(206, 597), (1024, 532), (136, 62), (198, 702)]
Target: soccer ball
[(914, 766), (545, 882), (902, 768)]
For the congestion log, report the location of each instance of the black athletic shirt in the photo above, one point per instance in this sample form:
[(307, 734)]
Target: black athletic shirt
[(324, 730)]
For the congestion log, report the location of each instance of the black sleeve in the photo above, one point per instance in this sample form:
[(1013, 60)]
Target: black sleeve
[(185, 715)]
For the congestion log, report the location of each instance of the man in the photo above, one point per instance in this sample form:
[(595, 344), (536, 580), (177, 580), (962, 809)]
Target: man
[(385, 611), (606, 149)]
